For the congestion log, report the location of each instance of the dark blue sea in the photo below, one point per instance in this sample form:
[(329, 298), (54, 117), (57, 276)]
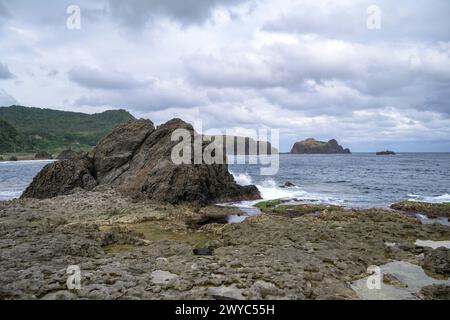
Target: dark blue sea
[(358, 180)]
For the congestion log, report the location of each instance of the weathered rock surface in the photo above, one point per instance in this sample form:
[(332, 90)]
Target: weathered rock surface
[(430, 209), (143, 250), (312, 146), (136, 160), (438, 261), (61, 178)]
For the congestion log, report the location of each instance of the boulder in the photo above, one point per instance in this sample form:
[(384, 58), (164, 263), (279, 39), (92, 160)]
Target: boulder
[(135, 159), (312, 146), (13, 158), (288, 184)]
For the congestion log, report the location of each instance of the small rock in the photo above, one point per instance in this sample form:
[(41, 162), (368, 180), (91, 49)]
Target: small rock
[(203, 252)]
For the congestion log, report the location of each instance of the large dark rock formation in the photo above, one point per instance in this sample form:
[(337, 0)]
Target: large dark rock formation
[(312, 146), (136, 160)]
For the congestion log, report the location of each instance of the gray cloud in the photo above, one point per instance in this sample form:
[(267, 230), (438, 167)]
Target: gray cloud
[(136, 13), (400, 20), (4, 12), (108, 80), (4, 72), (309, 67)]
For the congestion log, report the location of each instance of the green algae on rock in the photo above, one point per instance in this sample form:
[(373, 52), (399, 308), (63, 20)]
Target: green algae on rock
[(430, 209)]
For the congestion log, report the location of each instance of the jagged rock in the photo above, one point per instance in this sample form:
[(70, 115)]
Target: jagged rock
[(312, 146), (135, 158), (112, 155), (288, 184), (60, 178), (43, 155)]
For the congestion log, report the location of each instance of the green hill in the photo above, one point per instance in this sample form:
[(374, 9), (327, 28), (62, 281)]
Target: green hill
[(24, 129)]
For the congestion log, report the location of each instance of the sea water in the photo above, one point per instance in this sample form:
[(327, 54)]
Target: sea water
[(358, 180)]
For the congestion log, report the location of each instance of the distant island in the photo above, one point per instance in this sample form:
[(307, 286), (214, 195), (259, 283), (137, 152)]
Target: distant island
[(31, 130), (313, 146), (386, 153)]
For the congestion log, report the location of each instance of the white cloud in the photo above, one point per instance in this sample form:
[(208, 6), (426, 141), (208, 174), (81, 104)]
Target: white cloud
[(309, 67)]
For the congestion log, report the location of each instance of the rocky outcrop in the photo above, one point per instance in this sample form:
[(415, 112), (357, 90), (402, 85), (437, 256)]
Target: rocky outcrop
[(432, 210), (386, 153), (136, 160), (61, 178), (312, 146), (139, 250)]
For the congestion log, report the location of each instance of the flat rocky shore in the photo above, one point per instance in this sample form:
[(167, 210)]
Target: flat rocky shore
[(142, 250)]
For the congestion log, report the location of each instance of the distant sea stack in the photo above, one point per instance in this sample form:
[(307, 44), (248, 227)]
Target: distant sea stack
[(386, 153), (312, 146)]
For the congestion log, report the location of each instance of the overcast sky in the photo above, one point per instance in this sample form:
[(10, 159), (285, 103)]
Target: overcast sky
[(309, 68)]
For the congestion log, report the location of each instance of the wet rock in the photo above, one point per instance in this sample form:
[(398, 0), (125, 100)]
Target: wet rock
[(392, 280), (287, 184), (212, 214), (203, 252)]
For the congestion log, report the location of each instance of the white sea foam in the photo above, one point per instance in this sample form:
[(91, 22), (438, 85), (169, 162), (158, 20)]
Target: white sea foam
[(243, 179), (270, 190), (10, 194), (436, 199)]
